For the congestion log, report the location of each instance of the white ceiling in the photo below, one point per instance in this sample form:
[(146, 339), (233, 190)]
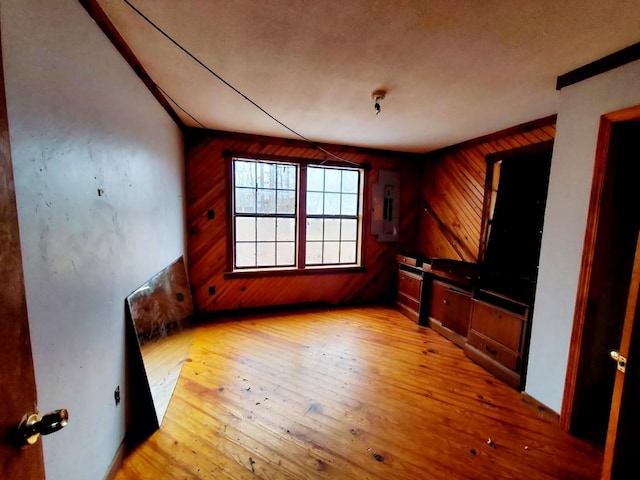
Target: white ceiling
[(454, 69)]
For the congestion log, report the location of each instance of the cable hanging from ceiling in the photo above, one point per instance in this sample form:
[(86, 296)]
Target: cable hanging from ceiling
[(178, 105), (229, 85)]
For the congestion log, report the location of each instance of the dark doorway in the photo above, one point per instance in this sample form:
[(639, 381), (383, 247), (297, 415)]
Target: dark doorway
[(616, 229), (513, 215)]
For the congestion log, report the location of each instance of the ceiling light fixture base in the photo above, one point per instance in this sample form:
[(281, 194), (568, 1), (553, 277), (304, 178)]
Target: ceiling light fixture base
[(378, 94)]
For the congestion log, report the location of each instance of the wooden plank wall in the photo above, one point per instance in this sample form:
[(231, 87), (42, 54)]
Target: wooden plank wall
[(207, 241), (452, 190)]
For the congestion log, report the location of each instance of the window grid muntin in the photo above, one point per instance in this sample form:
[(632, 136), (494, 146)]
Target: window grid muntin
[(255, 214), (353, 251), (340, 240), (354, 189)]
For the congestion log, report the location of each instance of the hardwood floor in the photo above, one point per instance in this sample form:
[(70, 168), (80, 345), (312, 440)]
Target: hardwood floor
[(354, 393)]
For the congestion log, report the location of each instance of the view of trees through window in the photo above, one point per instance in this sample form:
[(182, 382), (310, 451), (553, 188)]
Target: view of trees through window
[(332, 215), (266, 214)]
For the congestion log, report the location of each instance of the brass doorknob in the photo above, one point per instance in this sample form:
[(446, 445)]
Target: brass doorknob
[(32, 426), (621, 362)]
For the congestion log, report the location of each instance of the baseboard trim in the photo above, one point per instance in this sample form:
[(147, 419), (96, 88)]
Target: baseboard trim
[(117, 461), (542, 411)]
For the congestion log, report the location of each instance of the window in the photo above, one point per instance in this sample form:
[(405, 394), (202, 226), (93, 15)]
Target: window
[(333, 198), (278, 203)]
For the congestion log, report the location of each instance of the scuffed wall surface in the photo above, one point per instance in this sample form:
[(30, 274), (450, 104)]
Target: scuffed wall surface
[(99, 178)]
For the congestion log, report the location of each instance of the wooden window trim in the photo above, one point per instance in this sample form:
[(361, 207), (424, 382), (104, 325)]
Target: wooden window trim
[(301, 268), (231, 154), (292, 272)]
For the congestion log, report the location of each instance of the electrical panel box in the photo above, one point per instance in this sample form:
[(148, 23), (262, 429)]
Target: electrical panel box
[(385, 214)]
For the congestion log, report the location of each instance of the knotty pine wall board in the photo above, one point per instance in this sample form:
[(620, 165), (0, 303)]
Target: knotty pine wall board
[(453, 188), (206, 177)]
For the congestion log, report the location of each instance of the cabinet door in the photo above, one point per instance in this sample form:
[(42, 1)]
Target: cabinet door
[(409, 285), (409, 294), (450, 307)]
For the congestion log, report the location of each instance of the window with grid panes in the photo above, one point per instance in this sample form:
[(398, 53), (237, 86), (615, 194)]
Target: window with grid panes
[(267, 217)]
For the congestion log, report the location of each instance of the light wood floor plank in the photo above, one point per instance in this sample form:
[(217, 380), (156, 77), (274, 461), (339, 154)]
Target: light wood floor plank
[(352, 393)]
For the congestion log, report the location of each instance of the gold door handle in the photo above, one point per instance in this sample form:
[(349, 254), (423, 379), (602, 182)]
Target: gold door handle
[(620, 360), (32, 426)]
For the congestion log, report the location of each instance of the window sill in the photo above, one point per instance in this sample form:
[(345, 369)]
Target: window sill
[(294, 272)]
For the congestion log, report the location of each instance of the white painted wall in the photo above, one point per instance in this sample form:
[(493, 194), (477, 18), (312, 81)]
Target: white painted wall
[(80, 120), (581, 106)]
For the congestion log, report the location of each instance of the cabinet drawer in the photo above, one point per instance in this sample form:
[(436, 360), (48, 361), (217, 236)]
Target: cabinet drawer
[(412, 261), (450, 307), (409, 285), (409, 302), (494, 350), (497, 325)]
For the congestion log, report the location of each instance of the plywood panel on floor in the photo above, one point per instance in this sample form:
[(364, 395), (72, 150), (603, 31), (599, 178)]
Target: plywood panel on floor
[(350, 393)]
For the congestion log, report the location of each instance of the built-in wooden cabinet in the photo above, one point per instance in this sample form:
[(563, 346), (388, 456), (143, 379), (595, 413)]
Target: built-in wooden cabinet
[(409, 298), (498, 335), (492, 328), (485, 306), (449, 311)]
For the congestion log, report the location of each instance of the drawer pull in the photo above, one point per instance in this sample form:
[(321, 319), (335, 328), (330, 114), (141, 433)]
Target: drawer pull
[(445, 301), (492, 351)]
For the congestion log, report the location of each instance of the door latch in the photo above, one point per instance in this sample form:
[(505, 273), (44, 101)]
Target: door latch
[(620, 360)]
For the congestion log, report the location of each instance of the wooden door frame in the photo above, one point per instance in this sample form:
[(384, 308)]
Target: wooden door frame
[(607, 123), (17, 371)]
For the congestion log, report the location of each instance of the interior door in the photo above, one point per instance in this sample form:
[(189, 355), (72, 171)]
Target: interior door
[(621, 459), (607, 265), (17, 380)]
